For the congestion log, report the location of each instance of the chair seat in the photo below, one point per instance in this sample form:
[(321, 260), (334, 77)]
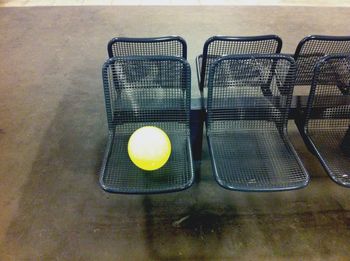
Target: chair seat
[(120, 175), (327, 143), (255, 160)]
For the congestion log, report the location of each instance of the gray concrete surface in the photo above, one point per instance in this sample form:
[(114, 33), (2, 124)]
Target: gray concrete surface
[(53, 132)]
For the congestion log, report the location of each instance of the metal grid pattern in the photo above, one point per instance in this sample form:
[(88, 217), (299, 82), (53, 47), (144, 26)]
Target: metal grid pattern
[(328, 116), (248, 101), (143, 91), (314, 47), (249, 160), (166, 46), (218, 46)]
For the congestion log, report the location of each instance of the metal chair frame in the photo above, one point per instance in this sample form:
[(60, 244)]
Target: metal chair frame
[(166, 113), (294, 177), (140, 46), (328, 80), (245, 41)]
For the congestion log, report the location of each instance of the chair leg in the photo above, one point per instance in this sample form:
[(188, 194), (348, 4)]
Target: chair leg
[(300, 127), (345, 144), (196, 133)]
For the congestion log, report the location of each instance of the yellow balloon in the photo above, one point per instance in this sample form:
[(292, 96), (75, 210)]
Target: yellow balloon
[(149, 148)]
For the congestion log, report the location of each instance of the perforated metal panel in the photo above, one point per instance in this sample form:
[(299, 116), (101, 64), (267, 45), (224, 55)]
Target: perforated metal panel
[(166, 46), (248, 102), (218, 46), (328, 116), (147, 91), (314, 47)]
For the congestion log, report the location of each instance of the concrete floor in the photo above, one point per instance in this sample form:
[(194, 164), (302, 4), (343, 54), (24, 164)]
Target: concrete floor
[(53, 131)]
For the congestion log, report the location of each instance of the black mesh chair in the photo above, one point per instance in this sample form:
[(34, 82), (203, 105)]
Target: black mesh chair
[(311, 49), (247, 125), (218, 46), (327, 119), (308, 52), (126, 46), (141, 91)]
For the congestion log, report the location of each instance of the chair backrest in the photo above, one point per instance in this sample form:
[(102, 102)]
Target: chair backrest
[(165, 46), (250, 92), (329, 100), (218, 46), (147, 89), (311, 49)]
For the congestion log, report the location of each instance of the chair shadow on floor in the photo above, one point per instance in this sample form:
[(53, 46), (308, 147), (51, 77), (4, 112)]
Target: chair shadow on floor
[(184, 225)]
